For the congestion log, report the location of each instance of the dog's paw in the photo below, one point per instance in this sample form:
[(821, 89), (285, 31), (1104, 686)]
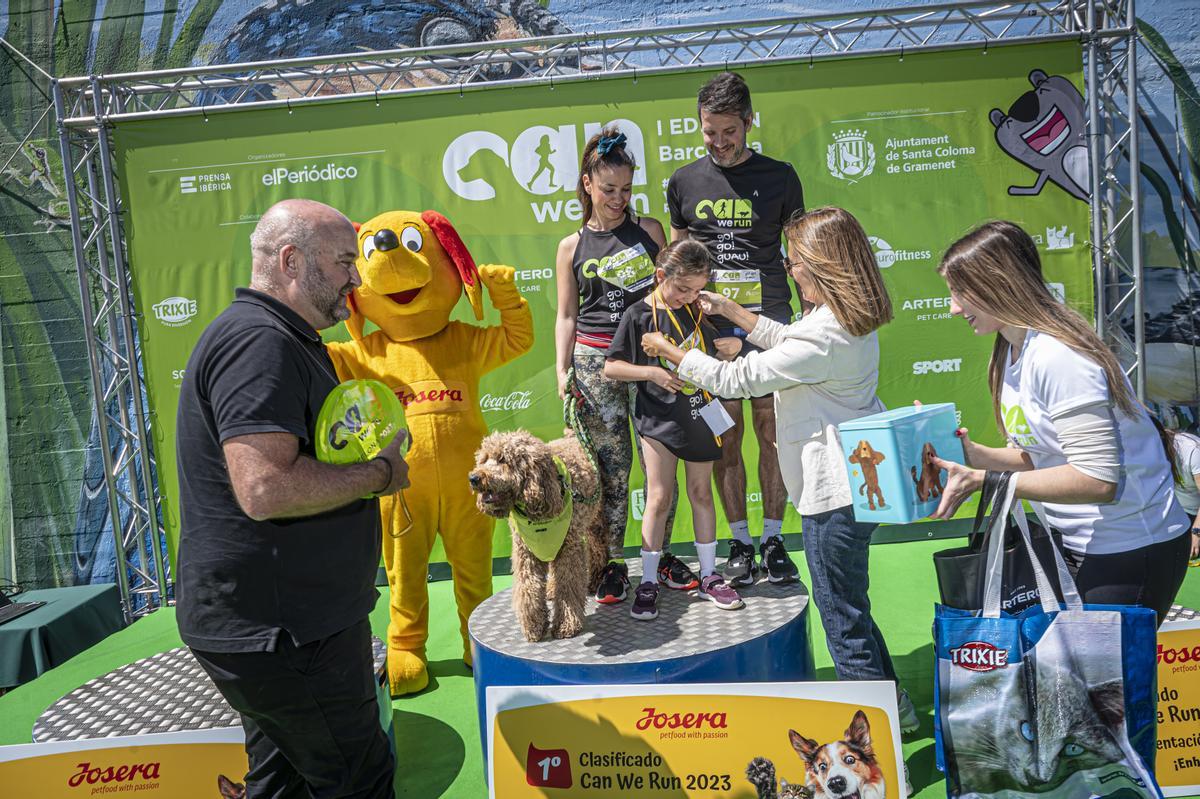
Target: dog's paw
[(534, 633), (568, 625)]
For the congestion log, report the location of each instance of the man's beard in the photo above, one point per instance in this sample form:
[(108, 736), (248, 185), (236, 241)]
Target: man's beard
[(328, 300), (734, 156)]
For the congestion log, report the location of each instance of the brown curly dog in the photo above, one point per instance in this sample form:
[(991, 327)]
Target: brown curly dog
[(515, 474)]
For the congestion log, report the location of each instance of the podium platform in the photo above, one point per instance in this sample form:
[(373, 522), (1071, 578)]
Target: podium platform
[(691, 641), (167, 692)]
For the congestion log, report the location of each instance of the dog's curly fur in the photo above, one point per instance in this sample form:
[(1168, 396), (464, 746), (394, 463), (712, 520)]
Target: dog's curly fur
[(516, 467)]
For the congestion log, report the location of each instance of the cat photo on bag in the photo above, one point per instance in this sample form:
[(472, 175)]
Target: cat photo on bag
[(1049, 725)]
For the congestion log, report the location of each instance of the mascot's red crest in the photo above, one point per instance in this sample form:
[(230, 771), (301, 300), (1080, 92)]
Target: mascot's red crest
[(453, 244)]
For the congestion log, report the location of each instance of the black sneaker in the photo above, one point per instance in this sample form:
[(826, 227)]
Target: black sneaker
[(739, 567), (645, 602), (674, 573), (776, 562), (614, 580)]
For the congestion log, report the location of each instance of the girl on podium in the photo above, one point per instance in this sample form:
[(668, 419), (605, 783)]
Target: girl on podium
[(671, 417)]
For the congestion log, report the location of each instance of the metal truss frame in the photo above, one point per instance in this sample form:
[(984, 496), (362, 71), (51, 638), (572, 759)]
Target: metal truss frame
[(86, 107)]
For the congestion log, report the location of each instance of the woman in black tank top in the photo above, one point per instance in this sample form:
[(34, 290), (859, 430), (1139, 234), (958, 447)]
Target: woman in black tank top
[(602, 269)]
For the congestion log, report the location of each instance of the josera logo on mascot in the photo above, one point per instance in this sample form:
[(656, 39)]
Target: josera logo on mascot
[(414, 268)]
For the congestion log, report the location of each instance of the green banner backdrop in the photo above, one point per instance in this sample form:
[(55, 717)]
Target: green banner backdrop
[(910, 145)]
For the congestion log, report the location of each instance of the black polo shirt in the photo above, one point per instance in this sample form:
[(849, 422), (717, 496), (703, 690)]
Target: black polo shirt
[(260, 368)]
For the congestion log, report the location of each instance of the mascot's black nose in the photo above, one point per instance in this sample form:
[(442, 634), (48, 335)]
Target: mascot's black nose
[(1024, 109), (386, 240), (837, 784), (473, 479)]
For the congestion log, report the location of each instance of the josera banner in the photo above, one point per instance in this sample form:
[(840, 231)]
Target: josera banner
[(736, 740), (920, 148), (1178, 765), (199, 764)]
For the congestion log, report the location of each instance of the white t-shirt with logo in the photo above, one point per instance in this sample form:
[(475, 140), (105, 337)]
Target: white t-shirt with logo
[(1187, 463), (1050, 379)]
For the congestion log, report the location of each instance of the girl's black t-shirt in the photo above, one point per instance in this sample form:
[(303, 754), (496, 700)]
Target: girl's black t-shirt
[(671, 419)]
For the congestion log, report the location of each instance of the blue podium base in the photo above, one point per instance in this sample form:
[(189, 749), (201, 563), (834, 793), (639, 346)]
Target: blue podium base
[(691, 641)]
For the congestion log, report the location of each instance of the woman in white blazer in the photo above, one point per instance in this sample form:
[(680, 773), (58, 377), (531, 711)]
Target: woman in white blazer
[(823, 370)]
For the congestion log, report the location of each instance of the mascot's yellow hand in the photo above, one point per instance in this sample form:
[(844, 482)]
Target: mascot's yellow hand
[(500, 283)]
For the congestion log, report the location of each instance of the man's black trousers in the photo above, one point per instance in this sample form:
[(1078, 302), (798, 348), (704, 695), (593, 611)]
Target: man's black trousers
[(311, 717)]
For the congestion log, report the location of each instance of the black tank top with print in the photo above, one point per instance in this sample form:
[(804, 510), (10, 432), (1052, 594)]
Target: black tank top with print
[(613, 269)]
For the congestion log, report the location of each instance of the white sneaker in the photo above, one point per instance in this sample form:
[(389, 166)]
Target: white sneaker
[(909, 721)]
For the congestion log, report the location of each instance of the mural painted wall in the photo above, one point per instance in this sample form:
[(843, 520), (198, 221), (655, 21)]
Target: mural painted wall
[(53, 507)]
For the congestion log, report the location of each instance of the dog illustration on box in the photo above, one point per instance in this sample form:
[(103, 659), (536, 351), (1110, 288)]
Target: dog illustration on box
[(868, 459), (929, 484)]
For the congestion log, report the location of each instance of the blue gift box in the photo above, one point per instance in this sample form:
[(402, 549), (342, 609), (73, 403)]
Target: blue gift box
[(892, 477)]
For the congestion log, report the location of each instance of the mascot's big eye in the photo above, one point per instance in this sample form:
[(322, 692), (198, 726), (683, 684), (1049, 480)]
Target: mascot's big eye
[(412, 238), (386, 240), (368, 247)]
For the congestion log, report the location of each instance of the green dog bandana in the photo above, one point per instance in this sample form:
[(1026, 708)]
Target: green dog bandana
[(545, 538)]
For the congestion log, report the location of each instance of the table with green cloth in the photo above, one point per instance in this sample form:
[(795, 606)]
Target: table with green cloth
[(72, 620)]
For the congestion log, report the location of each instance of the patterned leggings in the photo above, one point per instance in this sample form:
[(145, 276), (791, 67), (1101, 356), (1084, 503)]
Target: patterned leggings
[(606, 412)]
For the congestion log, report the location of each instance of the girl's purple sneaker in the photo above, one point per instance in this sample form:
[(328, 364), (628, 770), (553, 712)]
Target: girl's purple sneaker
[(722, 594)]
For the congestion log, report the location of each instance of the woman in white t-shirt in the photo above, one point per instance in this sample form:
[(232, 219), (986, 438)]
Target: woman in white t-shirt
[(1092, 456), (1185, 455)]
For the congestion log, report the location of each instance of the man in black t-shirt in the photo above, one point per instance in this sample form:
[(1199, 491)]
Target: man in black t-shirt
[(736, 201), (278, 551)]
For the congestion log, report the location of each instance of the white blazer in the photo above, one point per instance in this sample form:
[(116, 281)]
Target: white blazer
[(821, 376)]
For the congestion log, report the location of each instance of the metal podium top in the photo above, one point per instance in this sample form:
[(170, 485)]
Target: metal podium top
[(1180, 613), (687, 625), (167, 692)]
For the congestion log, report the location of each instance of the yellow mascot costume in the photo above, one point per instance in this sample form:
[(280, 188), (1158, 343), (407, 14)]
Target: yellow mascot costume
[(414, 267)]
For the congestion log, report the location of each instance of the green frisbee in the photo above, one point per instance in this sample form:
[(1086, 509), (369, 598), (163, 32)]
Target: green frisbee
[(358, 419)]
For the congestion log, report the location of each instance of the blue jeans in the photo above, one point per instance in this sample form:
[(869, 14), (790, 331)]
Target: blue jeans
[(835, 547)]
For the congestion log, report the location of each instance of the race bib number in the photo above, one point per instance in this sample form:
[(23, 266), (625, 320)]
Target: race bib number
[(743, 286), (631, 269)]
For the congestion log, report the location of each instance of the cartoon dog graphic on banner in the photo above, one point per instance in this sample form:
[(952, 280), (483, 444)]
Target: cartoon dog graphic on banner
[(1044, 130), (414, 268)]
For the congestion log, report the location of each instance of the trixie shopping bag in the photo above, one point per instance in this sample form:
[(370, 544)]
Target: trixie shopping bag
[(1056, 702)]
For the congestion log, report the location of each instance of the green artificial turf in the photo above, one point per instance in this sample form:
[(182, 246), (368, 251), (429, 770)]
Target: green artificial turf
[(437, 735)]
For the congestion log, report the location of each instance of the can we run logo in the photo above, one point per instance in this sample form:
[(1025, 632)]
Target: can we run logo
[(542, 159)]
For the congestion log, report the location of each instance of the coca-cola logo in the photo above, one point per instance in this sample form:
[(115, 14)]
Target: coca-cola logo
[(513, 401), (90, 775), (979, 656), (674, 721)]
